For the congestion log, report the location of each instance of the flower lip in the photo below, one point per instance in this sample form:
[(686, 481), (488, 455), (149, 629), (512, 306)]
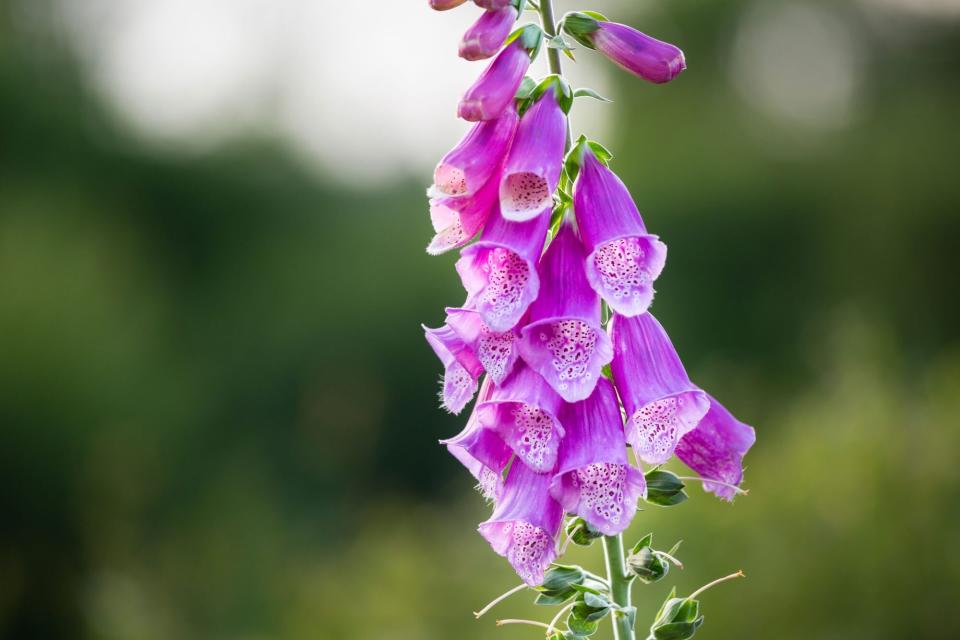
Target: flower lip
[(461, 367), (622, 271), (496, 351), (654, 429), (568, 351)]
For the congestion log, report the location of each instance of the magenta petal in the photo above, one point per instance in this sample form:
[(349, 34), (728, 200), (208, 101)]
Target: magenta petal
[(715, 449), (523, 411), (443, 5), (477, 157), (497, 352), (488, 33), (499, 271), (563, 340), (662, 404), (594, 480), (623, 259), (493, 4), (524, 524), (494, 90), (481, 451), (461, 367), (457, 220), (638, 53), (533, 165)]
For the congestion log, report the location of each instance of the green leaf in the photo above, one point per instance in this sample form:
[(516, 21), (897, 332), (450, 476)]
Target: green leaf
[(585, 92)]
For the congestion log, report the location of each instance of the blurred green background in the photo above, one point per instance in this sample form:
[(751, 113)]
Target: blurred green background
[(218, 416)]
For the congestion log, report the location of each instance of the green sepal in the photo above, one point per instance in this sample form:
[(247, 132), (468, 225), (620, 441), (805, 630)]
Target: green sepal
[(520, 6), (645, 541), (664, 488), (581, 628), (527, 86), (574, 159), (647, 565), (678, 619), (558, 584), (580, 24), (586, 92), (531, 39), (580, 531), (561, 91)]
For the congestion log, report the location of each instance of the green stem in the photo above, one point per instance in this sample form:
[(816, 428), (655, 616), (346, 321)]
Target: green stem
[(549, 24), (619, 585)]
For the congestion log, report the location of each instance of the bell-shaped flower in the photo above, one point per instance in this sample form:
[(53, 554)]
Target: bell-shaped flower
[(461, 367), (443, 5), (633, 51), (661, 403), (623, 260), (715, 450), (525, 523), (476, 158), (532, 168), (481, 451), (563, 340), (594, 479), (499, 270), (494, 90), (457, 220), (496, 351), (524, 412), (485, 37)]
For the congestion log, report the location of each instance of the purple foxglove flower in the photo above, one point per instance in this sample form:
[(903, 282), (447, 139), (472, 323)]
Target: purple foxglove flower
[(524, 524), (594, 480), (523, 411), (498, 271), (461, 367), (563, 340), (457, 220), (488, 33), (497, 352), (636, 52), (443, 5), (475, 160), (495, 88), (662, 404), (715, 449), (623, 260), (493, 4), (481, 451), (533, 165)]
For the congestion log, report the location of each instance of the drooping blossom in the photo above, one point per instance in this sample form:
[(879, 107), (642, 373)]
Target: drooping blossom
[(443, 5), (461, 367), (662, 404), (594, 479), (485, 37), (499, 270), (532, 168), (524, 412), (715, 449), (495, 88), (524, 524), (456, 220), (477, 157), (633, 51), (623, 260), (496, 351), (563, 340), (481, 451)]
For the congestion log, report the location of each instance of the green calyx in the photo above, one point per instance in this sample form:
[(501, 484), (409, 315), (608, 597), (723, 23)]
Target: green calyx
[(579, 25), (575, 157), (664, 488), (530, 37), (561, 91)]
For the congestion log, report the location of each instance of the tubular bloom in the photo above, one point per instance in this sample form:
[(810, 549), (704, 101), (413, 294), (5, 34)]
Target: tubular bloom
[(623, 260), (555, 337), (494, 89), (563, 340), (488, 33)]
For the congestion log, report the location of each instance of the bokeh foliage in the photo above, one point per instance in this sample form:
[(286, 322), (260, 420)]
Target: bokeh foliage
[(217, 413)]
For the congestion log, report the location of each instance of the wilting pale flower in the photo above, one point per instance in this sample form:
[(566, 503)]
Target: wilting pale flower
[(594, 479), (662, 404), (715, 449), (481, 451), (477, 157), (456, 220), (461, 367), (636, 52), (563, 340), (496, 351), (443, 5), (499, 270), (532, 168), (485, 37), (623, 260), (524, 412), (496, 87), (524, 524)]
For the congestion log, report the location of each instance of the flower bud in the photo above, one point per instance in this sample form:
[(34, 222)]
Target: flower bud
[(581, 533), (678, 619), (493, 4), (496, 87), (488, 33), (636, 52), (443, 5), (647, 565)]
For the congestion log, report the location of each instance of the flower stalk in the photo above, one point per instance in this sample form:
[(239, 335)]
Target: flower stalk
[(619, 585)]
